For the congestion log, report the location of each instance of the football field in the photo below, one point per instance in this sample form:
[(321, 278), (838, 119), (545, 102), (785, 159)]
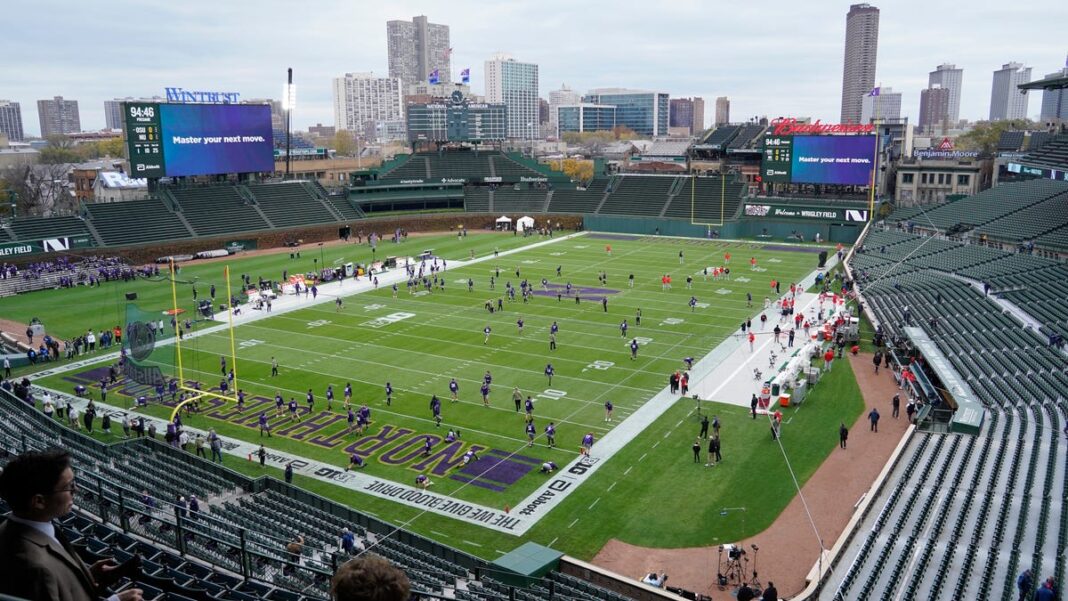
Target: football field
[(418, 340)]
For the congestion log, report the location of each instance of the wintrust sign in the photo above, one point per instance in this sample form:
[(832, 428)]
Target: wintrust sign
[(182, 95), (791, 126)]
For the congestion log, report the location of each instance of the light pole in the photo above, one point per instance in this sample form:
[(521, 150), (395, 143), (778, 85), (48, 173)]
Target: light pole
[(289, 97)]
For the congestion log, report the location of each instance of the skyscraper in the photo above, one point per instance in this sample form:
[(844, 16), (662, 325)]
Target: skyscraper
[(723, 110), (58, 116), (951, 78), (360, 98), (11, 120), (643, 111), (858, 68), (885, 105), (1006, 101), (515, 85), (934, 110), (688, 113), (416, 49), (1054, 102), (557, 98)]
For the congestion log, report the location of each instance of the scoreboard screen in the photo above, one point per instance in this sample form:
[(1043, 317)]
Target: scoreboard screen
[(461, 122), (842, 160), (172, 140)]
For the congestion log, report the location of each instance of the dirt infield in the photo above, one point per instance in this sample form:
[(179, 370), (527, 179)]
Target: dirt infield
[(789, 548)]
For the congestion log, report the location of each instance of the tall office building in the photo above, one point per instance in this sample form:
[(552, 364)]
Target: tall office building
[(557, 98), (11, 120), (886, 105), (515, 85), (951, 78), (416, 48), (583, 117), (643, 111), (934, 110), (723, 111), (858, 68), (360, 98), (58, 116), (688, 113), (1054, 102), (1006, 101)]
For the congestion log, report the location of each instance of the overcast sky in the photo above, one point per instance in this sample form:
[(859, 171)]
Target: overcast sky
[(771, 57)]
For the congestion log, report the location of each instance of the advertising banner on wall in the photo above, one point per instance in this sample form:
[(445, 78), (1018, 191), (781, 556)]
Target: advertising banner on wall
[(807, 213), (47, 245)]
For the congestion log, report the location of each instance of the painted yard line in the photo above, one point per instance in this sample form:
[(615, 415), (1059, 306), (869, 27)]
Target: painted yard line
[(628, 470), (471, 543), (609, 489), (644, 455), (656, 444), (553, 541), (595, 501), (412, 390), (572, 524), (491, 366), (563, 420)]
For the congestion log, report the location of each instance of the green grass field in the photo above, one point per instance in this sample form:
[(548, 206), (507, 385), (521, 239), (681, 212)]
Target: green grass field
[(650, 494)]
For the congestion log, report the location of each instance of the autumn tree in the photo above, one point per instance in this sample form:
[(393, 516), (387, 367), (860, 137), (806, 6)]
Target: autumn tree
[(984, 135)]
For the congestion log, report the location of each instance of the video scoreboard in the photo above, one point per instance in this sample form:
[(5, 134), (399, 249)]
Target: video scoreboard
[(829, 159)]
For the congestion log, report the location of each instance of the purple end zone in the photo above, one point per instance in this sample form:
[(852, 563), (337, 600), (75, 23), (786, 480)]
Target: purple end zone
[(497, 468)]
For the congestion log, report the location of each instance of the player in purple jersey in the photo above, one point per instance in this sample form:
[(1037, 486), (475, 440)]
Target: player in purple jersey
[(486, 330), (519, 325), (553, 329), (435, 409), (292, 409), (223, 387), (454, 389), (329, 396), (623, 328), (240, 400), (488, 378), (531, 433), (529, 407), (348, 394), (389, 394), (355, 461), (428, 445), (222, 363), (608, 407), (693, 303), (548, 467), (633, 349), (587, 445), (550, 435), (485, 394), (279, 403), (310, 400), (264, 426), (422, 481), (351, 419), (549, 372)]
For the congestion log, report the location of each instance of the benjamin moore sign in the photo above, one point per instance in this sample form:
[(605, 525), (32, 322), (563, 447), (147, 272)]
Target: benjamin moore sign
[(772, 211), (18, 249)]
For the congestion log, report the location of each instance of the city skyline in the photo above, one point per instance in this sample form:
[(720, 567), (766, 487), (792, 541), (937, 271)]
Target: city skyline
[(781, 66)]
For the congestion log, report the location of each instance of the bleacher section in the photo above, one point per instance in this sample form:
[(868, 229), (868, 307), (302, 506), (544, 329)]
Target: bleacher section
[(458, 164), (218, 210), (416, 167), (508, 200), (135, 222), (235, 547), (961, 516), (721, 136), (290, 205), (1010, 141), (1052, 154), (347, 210), (568, 199), (986, 206), (746, 135), (38, 228), (476, 199), (638, 195), (1029, 222), (712, 201)]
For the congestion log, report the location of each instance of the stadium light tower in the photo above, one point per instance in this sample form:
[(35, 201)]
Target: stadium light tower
[(289, 100)]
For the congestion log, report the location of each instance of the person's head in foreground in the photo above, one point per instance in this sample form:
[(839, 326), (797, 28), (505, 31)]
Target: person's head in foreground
[(370, 578)]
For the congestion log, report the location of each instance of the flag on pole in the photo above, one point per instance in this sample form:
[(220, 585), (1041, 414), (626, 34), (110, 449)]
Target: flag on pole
[(874, 91), (465, 75), (433, 77)]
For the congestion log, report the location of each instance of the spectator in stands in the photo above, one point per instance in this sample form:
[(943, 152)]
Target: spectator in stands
[(37, 562), (1047, 592), (370, 578), (347, 542), (1025, 582), (295, 547)]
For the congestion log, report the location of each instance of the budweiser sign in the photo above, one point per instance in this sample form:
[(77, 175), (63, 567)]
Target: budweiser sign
[(789, 127)]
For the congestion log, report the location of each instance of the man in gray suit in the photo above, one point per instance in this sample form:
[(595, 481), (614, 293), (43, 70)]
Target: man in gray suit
[(36, 560)]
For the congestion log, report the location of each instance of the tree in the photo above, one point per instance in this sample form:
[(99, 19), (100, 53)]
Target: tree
[(622, 132), (344, 144), (577, 170), (60, 149), (42, 189), (984, 135)]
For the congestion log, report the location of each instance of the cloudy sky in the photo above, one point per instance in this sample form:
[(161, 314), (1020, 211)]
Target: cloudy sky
[(771, 57)]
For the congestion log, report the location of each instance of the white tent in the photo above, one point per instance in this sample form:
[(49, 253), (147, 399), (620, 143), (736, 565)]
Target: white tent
[(504, 223), (524, 223)]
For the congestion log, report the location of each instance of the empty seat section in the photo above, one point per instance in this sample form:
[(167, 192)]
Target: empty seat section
[(290, 204), (136, 222), (218, 210)]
